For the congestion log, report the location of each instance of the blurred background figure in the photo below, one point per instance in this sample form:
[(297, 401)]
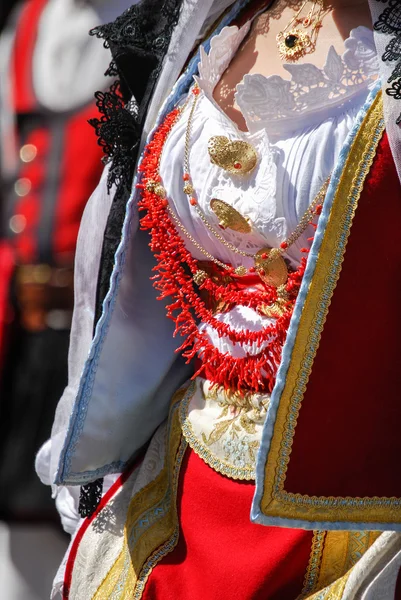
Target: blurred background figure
[(49, 164)]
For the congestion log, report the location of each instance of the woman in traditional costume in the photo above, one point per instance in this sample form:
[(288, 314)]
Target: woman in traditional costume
[(249, 442)]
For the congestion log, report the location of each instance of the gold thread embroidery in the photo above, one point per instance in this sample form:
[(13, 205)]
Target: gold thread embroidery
[(276, 502), (244, 473), (237, 424), (334, 555), (151, 529), (312, 572), (334, 591), (172, 541)]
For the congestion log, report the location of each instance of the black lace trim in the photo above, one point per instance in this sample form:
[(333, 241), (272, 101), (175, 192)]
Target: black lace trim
[(138, 40), (89, 498), (118, 134), (389, 22), (143, 25)]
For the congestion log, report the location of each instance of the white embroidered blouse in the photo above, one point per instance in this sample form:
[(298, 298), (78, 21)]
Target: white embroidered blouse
[(298, 127)]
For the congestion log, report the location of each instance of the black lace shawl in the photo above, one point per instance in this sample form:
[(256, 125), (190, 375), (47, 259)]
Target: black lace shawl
[(390, 22), (138, 40)]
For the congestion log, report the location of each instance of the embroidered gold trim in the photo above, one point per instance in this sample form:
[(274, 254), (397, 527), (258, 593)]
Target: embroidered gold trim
[(216, 463), (276, 502), (152, 528), (312, 572), (334, 555)]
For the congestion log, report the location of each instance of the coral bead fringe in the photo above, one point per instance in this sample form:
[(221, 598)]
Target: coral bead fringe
[(174, 278)]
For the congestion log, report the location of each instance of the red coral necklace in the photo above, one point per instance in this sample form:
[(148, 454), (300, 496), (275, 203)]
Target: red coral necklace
[(195, 297)]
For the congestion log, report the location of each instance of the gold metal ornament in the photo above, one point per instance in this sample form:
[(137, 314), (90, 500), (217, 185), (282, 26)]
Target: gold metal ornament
[(241, 271), (268, 262), (156, 188), (236, 157), (278, 308), (188, 189), (229, 217), (200, 276), (270, 266), (294, 44)]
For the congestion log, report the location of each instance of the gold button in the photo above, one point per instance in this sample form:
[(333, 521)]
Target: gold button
[(22, 186), (28, 153), (17, 223)]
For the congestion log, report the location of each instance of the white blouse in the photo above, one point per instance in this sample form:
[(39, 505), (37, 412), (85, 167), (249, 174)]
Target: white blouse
[(297, 126)]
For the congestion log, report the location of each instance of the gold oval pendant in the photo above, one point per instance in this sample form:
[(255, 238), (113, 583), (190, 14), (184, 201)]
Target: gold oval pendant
[(228, 217), (236, 157), (271, 267)]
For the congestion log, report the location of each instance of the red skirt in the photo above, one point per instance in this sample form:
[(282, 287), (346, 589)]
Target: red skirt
[(220, 553)]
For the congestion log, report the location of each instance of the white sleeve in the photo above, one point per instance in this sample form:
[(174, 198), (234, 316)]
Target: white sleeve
[(87, 260)]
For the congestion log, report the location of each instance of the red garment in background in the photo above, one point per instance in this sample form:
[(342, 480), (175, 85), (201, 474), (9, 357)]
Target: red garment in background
[(49, 231)]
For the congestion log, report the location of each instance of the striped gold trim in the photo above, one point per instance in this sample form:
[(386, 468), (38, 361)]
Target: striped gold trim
[(151, 530), (334, 554), (315, 560), (276, 502)]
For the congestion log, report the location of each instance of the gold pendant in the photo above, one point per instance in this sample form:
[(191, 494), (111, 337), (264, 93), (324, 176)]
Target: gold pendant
[(271, 267), (294, 44), (275, 311), (279, 308), (236, 157), (228, 217), (156, 188), (241, 271)]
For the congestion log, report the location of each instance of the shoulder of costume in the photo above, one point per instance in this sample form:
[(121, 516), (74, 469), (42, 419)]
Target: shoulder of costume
[(138, 40)]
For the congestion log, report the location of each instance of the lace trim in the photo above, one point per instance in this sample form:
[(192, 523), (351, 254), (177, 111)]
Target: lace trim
[(89, 498), (263, 99), (222, 49), (389, 22), (118, 133), (224, 429), (143, 25), (119, 128), (148, 31)]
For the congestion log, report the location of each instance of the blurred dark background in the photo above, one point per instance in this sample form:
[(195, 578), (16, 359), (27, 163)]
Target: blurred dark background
[(50, 162)]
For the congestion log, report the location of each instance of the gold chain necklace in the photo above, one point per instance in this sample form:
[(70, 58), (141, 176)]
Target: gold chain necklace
[(268, 262), (295, 41)]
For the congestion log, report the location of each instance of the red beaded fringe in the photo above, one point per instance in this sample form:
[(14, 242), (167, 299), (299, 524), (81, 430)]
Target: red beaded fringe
[(174, 277)]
